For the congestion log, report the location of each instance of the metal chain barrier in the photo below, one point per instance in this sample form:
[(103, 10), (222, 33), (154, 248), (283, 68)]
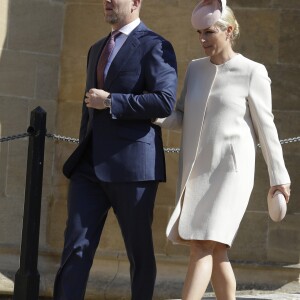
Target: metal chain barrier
[(168, 150), (14, 137), (290, 140), (287, 141), (57, 137)]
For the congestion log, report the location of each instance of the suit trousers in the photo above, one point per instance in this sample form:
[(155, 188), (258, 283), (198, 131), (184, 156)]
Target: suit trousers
[(89, 201)]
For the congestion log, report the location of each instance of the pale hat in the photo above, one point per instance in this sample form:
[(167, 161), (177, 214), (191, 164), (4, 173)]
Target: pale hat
[(207, 12)]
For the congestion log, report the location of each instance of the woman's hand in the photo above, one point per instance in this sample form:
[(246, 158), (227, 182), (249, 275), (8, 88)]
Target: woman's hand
[(283, 188)]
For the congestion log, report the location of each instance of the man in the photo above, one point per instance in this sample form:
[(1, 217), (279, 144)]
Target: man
[(120, 158)]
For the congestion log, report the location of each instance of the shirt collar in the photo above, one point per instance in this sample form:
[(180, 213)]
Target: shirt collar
[(127, 29)]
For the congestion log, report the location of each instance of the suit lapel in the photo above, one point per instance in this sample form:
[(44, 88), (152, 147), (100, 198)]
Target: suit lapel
[(126, 51), (121, 58)]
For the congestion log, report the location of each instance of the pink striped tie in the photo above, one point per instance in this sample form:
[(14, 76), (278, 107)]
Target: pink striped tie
[(107, 50)]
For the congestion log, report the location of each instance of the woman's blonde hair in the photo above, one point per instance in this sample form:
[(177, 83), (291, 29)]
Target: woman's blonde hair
[(228, 19)]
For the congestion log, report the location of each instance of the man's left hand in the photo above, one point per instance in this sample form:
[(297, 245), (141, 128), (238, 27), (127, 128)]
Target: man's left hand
[(95, 98)]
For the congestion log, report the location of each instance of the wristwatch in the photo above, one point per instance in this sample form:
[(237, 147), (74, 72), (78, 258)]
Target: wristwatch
[(107, 101)]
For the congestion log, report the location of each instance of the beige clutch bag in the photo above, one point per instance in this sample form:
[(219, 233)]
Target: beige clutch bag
[(277, 206)]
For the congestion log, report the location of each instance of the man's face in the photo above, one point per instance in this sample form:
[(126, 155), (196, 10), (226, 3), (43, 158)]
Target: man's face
[(118, 11)]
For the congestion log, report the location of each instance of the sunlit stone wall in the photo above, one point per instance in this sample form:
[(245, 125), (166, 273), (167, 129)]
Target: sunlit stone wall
[(43, 47)]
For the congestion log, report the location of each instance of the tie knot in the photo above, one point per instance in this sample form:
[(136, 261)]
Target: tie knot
[(115, 34)]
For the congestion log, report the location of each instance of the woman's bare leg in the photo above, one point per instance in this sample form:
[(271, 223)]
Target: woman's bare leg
[(223, 279), (199, 270)]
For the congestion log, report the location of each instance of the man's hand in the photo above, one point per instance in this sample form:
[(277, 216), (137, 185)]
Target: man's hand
[(95, 98)]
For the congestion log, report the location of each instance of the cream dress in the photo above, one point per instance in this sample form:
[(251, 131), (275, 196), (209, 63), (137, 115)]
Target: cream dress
[(224, 111)]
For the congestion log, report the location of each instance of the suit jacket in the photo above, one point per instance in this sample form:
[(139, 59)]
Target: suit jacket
[(142, 80)]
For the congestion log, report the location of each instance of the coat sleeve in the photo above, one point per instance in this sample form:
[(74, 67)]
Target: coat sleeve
[(260, 104), (160, 83), (175, 120)]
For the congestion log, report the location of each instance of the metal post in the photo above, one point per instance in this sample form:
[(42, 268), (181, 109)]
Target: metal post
[(27, 278)]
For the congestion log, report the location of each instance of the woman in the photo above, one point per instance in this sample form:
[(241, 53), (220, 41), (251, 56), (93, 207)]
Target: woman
[(224, 111)]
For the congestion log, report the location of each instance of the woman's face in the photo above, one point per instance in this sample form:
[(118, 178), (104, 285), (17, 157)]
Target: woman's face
[(214, 41)]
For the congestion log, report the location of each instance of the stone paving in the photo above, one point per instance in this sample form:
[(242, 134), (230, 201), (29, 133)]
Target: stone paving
[(290, 291), (264, 297), (242, 297), (270, 297)]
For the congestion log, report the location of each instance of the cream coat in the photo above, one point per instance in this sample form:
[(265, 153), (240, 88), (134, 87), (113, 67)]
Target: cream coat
[(223, 111)]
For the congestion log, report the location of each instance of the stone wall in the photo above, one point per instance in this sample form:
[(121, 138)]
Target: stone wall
[(43, 46), (31, 34)]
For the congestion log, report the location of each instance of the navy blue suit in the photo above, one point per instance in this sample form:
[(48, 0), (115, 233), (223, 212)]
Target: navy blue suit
[(119, 162)]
